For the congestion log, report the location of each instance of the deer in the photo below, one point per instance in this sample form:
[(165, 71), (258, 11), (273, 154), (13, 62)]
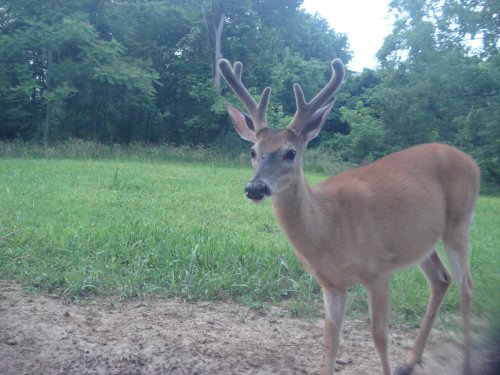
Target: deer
[(362, 225)]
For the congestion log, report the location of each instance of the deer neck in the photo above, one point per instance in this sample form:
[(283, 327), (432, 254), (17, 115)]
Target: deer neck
[(298, 212), (312, 225)]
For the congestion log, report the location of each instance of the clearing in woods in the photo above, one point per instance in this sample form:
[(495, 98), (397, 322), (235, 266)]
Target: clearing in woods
[(110, 230)]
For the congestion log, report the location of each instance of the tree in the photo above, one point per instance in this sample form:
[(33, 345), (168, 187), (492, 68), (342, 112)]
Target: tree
[(214, 16), (466, 20), (125, 70), (66, 58), (18, 99), (365, 141), (434, 85)]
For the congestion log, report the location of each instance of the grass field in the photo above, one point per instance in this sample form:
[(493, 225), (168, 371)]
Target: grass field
[(130, 228)]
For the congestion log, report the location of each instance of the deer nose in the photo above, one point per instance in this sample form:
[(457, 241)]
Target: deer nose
[(256, 190)]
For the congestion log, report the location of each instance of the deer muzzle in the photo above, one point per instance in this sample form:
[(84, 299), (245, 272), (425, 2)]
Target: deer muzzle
[(257, 191)]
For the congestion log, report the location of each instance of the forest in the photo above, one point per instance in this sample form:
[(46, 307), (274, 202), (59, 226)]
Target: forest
[(123, 71)]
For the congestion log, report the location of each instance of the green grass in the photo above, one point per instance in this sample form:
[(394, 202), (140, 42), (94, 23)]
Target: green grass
[(129, 228), (132, 228)]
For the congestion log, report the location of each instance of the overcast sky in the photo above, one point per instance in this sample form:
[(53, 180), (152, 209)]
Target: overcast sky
[(365, 22)]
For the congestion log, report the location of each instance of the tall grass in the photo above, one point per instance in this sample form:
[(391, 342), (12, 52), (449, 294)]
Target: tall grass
[(317, 160), (80, 149), (131, 226)]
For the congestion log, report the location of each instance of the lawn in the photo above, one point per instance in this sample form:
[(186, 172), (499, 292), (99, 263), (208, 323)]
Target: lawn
[(129, 228)]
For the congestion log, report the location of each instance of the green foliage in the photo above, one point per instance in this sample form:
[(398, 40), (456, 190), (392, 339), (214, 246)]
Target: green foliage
[(472, 19), (481, 129), (433, 87), (311, 74), (365, 141), (122, 71), (68, 65)]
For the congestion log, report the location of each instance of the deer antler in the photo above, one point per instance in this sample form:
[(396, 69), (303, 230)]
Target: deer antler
[(232, 75), (307, 110)]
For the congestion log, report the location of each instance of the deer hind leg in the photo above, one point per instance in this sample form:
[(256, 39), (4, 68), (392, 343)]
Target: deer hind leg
[(456, 242), (378, 298), (439, 280), (335, 301)]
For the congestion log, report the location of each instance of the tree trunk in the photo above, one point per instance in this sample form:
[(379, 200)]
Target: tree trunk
[(94, 110), (48, 104), (46, 124), (147, 131), (218, 51)]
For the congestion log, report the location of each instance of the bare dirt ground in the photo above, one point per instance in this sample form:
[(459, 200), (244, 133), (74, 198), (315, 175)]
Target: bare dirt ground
[(42, 334)]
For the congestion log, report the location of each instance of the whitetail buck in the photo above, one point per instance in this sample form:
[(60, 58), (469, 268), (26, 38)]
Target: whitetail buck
[(364, 224)]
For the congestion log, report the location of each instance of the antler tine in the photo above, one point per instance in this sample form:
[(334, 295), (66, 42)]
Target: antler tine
[(232, 75), (306, 109), (238, 69), (300, 100)]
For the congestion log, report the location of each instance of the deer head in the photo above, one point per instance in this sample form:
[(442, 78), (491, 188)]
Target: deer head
[(277, 155)]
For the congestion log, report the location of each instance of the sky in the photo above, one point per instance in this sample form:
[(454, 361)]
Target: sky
[(366, 23)]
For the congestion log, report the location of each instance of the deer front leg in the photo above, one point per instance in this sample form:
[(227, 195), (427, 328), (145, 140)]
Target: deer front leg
[(335, 301), (378, 298)]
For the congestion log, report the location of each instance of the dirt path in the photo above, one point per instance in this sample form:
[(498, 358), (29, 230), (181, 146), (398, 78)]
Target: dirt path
[(40, 334)]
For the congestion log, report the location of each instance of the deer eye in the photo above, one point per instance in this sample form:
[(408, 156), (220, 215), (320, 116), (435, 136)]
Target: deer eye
[(290, 155), (253, 154)]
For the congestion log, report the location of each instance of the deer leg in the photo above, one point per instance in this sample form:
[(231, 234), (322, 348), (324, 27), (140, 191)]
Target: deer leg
[(439, 281), (378, 298), (335, 301), (457, 248)]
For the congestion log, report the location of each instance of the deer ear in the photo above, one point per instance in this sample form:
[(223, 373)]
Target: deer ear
[(242, 123), (314, 125)]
